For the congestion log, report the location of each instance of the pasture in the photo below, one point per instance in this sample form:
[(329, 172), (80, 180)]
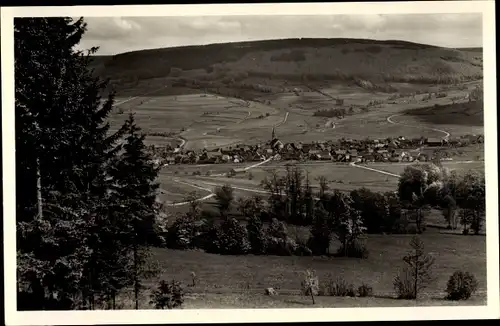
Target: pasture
[(242, 284)]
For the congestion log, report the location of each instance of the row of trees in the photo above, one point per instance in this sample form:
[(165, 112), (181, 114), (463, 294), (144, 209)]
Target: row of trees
[(85, 197), (426, 186), (330, 215), (460, 197)]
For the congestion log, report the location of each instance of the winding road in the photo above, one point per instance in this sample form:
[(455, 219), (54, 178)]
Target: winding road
[(389, 119), (284, 120), (212, 194)]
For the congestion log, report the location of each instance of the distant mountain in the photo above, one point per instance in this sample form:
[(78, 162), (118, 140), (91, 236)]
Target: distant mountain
[(471, 49), (321, 59)]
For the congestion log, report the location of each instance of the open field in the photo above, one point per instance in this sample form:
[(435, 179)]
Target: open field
[(204, 120), (243, 284), (343, 177)]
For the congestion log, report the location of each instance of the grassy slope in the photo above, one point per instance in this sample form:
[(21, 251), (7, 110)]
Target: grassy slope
[(239, 281)]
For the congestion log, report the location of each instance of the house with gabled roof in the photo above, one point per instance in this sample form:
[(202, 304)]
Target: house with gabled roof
[(325, 155)]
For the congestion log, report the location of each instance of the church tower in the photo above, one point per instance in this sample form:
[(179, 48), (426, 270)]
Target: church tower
[(273, 136)]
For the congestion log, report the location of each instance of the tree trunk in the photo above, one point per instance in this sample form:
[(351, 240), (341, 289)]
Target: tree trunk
[(136, 277), (416, 279), (39, 189), (312, 295)]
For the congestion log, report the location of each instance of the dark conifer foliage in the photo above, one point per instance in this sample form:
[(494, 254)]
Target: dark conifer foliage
[(73, 246)]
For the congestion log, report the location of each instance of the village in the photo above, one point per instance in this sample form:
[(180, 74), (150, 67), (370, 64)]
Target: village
[(389, 150)]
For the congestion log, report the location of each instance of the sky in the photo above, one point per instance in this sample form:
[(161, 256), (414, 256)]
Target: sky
[(116, 35)]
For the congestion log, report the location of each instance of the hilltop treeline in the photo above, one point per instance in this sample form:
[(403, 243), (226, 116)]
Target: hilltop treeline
[(302, 59)]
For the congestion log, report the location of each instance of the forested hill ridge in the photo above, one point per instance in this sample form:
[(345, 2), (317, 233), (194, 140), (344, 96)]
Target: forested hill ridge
[(320, 59)]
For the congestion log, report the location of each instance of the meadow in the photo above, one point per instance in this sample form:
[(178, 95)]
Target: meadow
[(239, 281)]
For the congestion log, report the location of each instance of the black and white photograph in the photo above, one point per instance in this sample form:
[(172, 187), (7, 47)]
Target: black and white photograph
[(180, 161)]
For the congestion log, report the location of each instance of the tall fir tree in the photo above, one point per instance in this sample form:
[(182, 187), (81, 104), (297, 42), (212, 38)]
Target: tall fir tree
[(63, 148), (135, 193)]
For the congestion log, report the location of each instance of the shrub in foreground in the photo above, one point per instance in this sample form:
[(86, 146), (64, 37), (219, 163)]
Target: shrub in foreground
[(365, 290), (338, 287), (310, 284), (461, 286), (168, 295), (404, 285)]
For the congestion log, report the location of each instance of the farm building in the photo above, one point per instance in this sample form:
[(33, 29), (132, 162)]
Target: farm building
[(434, 142), (324, 155)]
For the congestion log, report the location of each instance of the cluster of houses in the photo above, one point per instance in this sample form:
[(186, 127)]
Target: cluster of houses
[(344, 150)]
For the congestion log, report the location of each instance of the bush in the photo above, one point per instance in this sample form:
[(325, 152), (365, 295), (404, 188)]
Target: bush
[(356, 250), (281, 246), (168, 295), (461, 286), (256, 236), (231, 238), (303, 250), (339, 288), (404, 285), (278, 241), (365, 290), (182, 233)]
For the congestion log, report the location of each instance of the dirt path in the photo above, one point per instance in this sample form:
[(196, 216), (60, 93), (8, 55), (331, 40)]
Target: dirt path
[(389, 119), (374, 170), (194, 186), (282, 122), (133, 98), (212, 194)]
